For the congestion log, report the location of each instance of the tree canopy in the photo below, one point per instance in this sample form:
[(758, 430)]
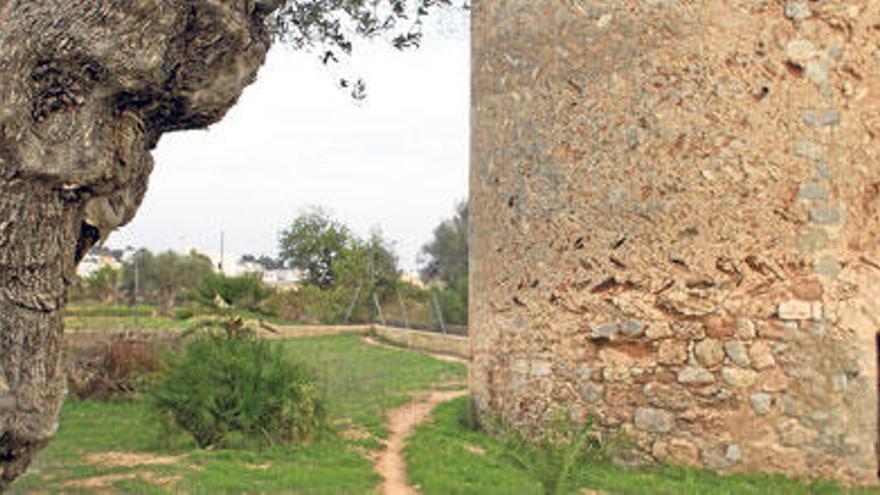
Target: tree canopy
[(312, 243), (333, 27), (446, 263), (446, 255), (330, 255), (159, 277)]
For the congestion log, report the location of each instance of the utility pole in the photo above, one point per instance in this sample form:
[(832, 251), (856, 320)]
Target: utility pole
[(137, 284), (222, 249), (136, 278), (372, 283)]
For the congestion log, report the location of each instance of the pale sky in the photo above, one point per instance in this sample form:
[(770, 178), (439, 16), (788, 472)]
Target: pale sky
[(399, 160)]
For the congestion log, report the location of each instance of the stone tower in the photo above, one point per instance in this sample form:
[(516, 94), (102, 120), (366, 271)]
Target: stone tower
[(675, 225)]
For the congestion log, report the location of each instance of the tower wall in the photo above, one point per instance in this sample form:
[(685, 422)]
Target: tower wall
[(675, 223)]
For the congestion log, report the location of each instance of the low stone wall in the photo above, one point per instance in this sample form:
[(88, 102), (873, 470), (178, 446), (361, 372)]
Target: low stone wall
[(426, 341), (295, 332)]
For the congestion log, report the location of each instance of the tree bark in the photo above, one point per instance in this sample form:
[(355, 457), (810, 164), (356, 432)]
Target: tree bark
[(87, 89)]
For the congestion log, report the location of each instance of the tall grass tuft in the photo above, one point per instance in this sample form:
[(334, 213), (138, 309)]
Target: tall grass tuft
[(550, 458)]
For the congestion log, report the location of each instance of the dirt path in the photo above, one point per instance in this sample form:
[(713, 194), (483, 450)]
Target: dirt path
[(401, 423)]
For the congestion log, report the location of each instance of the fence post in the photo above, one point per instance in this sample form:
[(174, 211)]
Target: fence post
[(378, 309), (402, 309), (437, 310), (351, 305)]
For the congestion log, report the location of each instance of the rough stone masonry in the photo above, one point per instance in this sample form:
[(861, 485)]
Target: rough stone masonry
[(675, 224)]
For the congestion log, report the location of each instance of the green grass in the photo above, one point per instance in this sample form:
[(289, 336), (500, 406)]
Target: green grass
[(446, 456), (101, 317), (107, 318), (361, 383), (364, 381), (124, 323), (90, 309)]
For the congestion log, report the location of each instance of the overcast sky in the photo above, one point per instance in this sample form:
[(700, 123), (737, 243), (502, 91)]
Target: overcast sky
[(399, 160)]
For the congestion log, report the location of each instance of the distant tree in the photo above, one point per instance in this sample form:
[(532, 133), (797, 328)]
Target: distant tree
[(313, 243), (161, 277), (263, 261), (371, 265), (446, 255), (102, 284), (446, 262)]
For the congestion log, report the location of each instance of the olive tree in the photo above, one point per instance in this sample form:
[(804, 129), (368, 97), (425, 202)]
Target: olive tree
[(88, 87)]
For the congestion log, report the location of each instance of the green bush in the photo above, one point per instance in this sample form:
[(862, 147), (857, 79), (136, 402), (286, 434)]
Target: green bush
[(226, 388), (453, 300)]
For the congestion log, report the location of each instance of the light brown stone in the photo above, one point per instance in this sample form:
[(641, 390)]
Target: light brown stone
[(718, 327), (672, 352), (795, 310), (694, 375), (745, 329), (667, 396), (616, 373), (773, 380), (807, 290), (658, 331), (793, 433), (709, 352), (654, 420), (761, 355), (676, 451), (738, 377), (800, 51)]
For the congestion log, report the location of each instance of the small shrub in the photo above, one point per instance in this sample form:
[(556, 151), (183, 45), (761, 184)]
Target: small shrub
[(230, 387), (309, 304)]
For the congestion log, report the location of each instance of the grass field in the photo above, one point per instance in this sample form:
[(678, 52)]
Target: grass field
[(446, 456), (361, 383), (104, 317)]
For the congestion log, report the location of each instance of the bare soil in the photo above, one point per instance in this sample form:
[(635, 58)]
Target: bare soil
[(131, 459), (97, 483), (401, 423)]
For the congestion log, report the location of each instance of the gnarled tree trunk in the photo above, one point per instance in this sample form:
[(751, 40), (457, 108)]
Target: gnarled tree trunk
[(87, 87)]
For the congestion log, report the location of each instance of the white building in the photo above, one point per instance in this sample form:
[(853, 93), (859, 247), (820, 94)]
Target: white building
[(91, 263)]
